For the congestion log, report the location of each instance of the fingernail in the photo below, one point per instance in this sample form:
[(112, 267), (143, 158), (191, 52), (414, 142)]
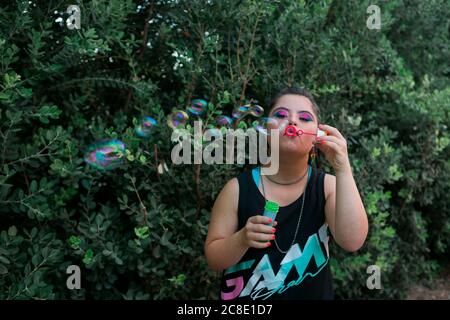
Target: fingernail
[(273, 237), (270, 220), (268, 244), (273, 230)]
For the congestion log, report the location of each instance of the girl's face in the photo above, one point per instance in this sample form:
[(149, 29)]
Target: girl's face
[(298, 111)]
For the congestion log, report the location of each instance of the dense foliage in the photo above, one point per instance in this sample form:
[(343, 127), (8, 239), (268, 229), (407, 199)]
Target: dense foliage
[(138, 233)]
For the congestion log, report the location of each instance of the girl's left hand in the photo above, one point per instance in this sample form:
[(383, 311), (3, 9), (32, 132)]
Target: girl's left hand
[(334, 146)]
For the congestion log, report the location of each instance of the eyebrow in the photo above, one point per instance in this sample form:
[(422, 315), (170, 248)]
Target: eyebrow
[(301, 111), (304, 111)]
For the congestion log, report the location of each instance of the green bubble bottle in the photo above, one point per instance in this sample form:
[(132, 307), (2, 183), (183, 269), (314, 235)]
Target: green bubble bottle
[(271, 210)]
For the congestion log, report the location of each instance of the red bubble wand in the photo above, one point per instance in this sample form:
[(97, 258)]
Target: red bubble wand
[(291, 131)]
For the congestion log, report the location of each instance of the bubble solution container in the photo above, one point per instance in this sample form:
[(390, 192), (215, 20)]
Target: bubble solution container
[(271, 210)]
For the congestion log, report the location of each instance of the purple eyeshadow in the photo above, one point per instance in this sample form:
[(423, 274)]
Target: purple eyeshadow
[(281, 113), (305, 116)]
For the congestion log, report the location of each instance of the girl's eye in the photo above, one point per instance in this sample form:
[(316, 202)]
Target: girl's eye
[(280, 114), (305, 117)]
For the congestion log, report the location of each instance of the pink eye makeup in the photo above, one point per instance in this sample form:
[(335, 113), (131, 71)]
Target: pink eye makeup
[(281, 114), (305, 116)]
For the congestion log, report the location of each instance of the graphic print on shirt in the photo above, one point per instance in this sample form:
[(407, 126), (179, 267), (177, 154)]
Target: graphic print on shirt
[(263, 282)]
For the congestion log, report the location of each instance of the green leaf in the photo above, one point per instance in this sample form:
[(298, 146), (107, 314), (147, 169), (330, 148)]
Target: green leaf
[(33, 186), (35, 260), (4, 260), (74, 242), (12, 231), (142, 232), (3, 269), (15, 116), (47, 112), (34, 232), (88, 256)]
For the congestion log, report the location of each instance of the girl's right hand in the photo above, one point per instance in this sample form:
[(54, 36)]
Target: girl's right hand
[(256, 233)]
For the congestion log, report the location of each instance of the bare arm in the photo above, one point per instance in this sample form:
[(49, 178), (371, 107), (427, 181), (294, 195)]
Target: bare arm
[(344, 211), (224, 245)]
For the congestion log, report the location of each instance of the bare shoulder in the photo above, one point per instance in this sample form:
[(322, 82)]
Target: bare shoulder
[(229, 195), (231, 188), (232, 185), (329, 185), (224, 215)]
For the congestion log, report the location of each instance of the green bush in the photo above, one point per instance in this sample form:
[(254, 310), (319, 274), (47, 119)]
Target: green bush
[(138, 233)]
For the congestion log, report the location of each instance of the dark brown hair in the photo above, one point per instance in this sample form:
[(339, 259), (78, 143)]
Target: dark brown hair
[(297, 91)]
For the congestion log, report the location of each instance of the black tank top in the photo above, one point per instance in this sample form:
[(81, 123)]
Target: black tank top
[(302, 272)]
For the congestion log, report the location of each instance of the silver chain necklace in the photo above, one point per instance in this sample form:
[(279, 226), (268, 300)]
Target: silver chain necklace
[(299, 218), (288, 183)]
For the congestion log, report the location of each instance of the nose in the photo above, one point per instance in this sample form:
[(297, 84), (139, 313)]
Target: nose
[(293, 121)]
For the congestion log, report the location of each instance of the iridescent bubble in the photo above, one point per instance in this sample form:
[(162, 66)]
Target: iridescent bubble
[(224, 121), (177, 118), (105, 154), (198, 107), (240, 112), (256, 110), (146, 127), (213, 132), (264, 125)]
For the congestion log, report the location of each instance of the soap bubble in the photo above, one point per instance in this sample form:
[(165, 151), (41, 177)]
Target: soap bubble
[(105, 154), (198, 107), (253, 109), (177, 118), (146, 127), (256, 110), (214, 132), (264, 125), (240, 112), (224, 121)]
